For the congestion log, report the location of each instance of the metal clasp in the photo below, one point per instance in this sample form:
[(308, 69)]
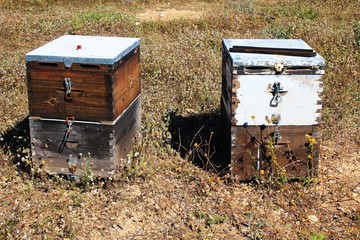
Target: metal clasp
[(68, 85), (276, 136), (276, 90), (69, 122)]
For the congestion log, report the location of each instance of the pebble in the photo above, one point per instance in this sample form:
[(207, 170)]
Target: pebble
[(313, 218)]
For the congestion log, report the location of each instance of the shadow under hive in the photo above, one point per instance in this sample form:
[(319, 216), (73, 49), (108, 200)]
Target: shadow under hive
[(271, 107), (84, 102)]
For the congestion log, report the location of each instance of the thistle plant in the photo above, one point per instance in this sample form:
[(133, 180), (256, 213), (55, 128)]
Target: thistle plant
[(267, 152)]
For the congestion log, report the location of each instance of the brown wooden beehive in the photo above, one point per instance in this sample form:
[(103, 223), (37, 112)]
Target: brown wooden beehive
[(271, 107), (91, 78), (84, 101)]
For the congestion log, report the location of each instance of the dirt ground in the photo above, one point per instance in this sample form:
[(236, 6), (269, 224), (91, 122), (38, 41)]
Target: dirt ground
[(170, 197)]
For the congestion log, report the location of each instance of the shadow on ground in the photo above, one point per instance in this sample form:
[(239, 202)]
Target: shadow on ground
[(197, 138), (16, 142)]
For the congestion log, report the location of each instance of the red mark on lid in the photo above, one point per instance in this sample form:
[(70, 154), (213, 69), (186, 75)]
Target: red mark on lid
[(78, 47)]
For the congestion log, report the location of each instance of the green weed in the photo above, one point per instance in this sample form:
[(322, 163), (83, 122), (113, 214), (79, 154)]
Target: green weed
[(317, 236), (357, 33), (255, 231), (298, 12), (211, 219), (304, 13), (137, 167), (279, 31), (245, 6), (101, 17)]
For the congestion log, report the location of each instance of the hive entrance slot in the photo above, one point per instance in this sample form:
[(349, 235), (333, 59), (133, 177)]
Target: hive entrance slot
[(48, 64), (300, 70), (258, 70), (89, 66)]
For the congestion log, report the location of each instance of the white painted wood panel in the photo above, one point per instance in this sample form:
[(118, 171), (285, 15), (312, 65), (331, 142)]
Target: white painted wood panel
[(301, 105)]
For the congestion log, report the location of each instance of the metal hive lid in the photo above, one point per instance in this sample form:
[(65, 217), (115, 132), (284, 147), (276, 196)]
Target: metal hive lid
[(93, 50), (245, 59)]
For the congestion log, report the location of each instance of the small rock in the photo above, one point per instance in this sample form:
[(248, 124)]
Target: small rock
[(313, 218)]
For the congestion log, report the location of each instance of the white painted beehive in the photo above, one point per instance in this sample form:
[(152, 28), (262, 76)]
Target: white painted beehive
[(275, 83)]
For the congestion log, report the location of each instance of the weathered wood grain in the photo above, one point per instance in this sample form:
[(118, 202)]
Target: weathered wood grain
[(126, 84), (103, 146), (98, 93), (291, 151)]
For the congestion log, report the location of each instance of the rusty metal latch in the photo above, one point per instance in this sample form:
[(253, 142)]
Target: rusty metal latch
[(279, 67), (72, 164), (68, 85), (276, 136), (69, 122), (276, 90)]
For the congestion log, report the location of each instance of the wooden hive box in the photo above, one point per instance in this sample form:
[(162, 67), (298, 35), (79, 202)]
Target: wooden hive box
[(99, 146), (271, 107), (88, 77), (84, 102)]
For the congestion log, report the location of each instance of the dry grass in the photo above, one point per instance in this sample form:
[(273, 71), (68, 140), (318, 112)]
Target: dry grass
[(168, 197)]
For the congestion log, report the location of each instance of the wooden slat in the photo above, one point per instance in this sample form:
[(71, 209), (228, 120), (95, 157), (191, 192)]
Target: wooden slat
[(244, 151), (99, 92), (126, 129), (126, 84), (108, 144)]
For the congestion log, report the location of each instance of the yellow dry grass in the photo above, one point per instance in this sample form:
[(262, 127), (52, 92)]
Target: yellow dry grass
[(168, 197)]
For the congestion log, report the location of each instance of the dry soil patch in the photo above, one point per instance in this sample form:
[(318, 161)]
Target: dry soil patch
[(170, 12)]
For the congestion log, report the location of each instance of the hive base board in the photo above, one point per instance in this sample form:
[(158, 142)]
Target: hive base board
[(291, 152), (101, 146)]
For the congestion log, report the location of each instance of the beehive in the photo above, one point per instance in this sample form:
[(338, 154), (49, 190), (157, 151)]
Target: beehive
[(88, 77), (84, 103), (271, 107)]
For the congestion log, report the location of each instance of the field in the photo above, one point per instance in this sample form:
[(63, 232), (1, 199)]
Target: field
[(165, 193)]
